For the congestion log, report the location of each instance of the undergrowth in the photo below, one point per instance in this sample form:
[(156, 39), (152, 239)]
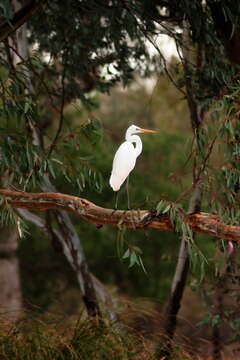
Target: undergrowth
[(35, 339)]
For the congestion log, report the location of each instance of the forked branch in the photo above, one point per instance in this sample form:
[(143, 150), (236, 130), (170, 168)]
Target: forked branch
[(199, 222)]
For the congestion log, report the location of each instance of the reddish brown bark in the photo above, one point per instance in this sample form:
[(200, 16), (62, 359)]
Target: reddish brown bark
[(199, 222)]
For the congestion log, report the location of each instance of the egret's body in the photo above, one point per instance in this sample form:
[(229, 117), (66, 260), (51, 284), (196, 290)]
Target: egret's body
[(125, 158), (123, 163)]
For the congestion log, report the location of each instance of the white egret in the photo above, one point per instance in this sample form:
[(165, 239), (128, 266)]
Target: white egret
[(125, 158)]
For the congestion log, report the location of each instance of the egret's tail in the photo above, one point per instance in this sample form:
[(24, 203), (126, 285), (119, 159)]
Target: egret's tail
[(114, 183)]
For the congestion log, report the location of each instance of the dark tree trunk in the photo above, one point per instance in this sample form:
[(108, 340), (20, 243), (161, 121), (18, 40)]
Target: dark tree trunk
[(181, 273), (182, 268)]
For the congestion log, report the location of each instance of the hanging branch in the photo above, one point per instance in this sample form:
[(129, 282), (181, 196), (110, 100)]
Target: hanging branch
[(199, 222)]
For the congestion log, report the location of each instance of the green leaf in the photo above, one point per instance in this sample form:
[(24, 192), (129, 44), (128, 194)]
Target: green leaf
[(27, 107), (168, 207), (133, 259), (126, 254), (142, 265), (160, 207), (50, 167)]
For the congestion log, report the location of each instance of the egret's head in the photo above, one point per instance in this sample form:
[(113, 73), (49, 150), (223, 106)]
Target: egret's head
[(133, 129)]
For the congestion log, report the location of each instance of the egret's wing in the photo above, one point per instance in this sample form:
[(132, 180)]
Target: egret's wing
[(123, 163)]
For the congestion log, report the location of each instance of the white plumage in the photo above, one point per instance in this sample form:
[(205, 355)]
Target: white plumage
[(123, 163), (125, 158)]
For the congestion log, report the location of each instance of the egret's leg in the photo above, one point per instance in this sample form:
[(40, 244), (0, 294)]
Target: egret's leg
[(116, 200), (128, 200)]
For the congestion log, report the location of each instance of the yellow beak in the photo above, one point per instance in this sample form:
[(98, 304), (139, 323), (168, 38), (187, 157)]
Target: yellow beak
[(148, 131)]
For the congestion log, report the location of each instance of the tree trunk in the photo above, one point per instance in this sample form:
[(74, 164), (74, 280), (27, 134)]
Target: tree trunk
[(77, 258), (181, 272), (10, 287), (182, 268)]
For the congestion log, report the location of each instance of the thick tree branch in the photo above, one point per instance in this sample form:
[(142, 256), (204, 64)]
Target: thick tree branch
[(199, 222)]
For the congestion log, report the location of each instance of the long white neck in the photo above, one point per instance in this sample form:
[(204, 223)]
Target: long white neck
[(135, 139)]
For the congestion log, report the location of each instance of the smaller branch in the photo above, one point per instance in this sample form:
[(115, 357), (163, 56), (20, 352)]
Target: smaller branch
[(205, 160), (61, 117), (206, 223), (19, 18)]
